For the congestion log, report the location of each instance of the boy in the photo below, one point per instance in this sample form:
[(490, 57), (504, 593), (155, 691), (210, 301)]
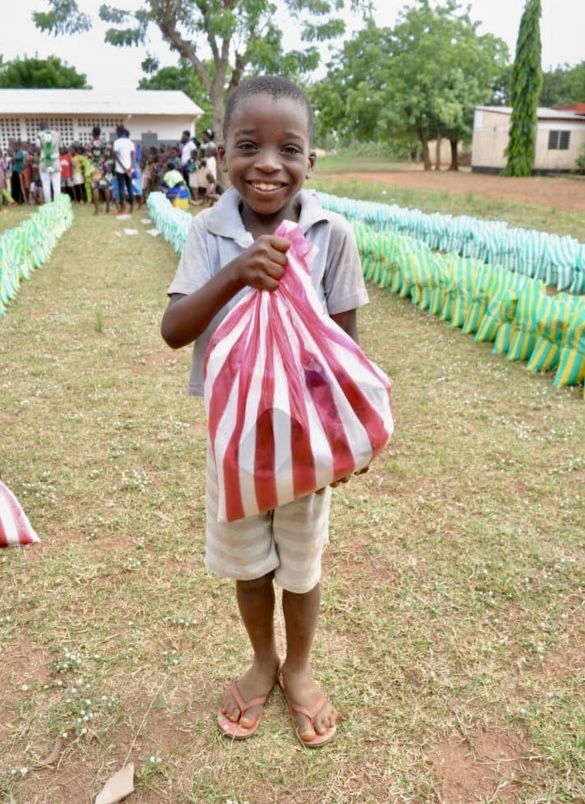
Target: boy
[(230, 247)]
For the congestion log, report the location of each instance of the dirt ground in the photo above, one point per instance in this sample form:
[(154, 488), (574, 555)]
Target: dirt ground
[(563, 193)]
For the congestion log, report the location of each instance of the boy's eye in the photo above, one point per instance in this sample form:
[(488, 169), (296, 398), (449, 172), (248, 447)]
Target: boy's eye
[(292, 149)]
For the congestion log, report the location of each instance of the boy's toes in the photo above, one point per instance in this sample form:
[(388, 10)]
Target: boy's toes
[(325, 719)]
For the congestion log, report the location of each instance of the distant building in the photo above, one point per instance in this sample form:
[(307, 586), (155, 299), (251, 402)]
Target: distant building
[(560, 137), (153, 117)]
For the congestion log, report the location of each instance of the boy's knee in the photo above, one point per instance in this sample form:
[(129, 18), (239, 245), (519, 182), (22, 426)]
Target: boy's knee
[(256, 583)]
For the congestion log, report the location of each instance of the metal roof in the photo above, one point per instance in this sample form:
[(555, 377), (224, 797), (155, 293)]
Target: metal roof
[(543, 113), (92, 101)]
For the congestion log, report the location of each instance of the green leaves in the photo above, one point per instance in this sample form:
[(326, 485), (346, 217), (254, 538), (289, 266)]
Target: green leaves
[(526, 84), (64, 18), (420, 79), (51, 73)]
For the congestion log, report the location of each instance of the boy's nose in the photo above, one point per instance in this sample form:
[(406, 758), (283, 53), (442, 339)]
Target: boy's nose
[(268, 160)]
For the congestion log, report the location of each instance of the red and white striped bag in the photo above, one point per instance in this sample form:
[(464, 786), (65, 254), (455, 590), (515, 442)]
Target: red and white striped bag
[(293, 404), (15, 528)]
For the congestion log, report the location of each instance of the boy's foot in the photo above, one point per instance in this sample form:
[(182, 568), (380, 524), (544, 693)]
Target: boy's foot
[(314, 716), (241, 709)]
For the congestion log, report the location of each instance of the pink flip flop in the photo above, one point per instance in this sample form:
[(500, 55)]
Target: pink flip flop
[(234, 730), (319, 739)]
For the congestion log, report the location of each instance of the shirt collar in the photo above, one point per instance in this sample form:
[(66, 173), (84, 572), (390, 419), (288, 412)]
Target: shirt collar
[(225, 219)]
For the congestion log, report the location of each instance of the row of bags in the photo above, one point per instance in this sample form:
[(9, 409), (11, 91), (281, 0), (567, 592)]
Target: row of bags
[(510, 309), (28, 246), (556, 260), (518, 314)]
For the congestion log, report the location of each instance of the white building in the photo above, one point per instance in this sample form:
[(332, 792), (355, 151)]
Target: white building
[(152, 117), (560, 138)]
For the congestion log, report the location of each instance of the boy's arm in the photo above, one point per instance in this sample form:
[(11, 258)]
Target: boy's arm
[(348, 323), (260, 266)]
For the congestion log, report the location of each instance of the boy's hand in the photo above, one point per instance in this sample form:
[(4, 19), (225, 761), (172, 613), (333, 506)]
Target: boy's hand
[(345, 479), (262, 265)]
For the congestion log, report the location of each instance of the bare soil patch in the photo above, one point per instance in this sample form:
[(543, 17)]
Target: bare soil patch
[(486, 764), (555, 192)]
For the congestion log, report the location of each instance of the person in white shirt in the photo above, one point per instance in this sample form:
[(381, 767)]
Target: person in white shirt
[(125, 159), (188, 144)]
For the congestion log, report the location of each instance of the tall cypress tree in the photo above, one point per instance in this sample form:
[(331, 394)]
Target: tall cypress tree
[(526, 83)]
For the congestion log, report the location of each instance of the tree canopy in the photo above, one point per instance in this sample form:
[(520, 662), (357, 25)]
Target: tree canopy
[(29, 73), (563, 85), (222, 39), (419, 80), (184, 78)]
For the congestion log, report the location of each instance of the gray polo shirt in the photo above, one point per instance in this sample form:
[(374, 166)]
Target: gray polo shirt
[(217, 236)]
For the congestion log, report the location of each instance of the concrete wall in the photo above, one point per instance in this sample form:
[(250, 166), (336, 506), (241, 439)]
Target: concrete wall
[(165, 129)]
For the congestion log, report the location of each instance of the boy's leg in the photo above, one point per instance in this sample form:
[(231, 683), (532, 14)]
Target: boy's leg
[(301, 612), (256, 605), (301, 534)]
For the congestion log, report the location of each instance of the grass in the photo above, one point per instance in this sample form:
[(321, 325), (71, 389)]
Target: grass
[(451, 636)]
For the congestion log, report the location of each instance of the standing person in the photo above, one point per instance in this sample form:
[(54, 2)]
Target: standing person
[(66, 172), (49, 143), (36, 194), (78, 177), (5, 197), (211, 160), (125, 158), (100, 183), (192, 180), (267, 154), (187, 144), (208, 138), (16, 180)]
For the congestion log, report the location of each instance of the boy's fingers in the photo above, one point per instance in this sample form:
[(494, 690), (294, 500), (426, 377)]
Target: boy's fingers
[(341, 480), (279, 243), (345, 479)]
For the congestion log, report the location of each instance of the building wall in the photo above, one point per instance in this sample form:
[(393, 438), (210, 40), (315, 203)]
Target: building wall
[(557, 159), (164, 130), (490, 138)]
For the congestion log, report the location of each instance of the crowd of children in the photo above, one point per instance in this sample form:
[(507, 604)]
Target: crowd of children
[(88, 174)]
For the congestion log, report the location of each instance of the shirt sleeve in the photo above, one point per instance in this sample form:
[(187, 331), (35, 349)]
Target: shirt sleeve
[(194, 269), (343, 281)]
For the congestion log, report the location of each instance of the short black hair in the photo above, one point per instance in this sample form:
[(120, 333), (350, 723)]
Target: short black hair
[(274, 85)]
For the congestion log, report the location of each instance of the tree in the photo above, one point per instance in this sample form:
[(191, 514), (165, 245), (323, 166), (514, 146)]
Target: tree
[(525, 89), (222, 39), (29, 73), (184, 79), (563, 85), (418, 81)]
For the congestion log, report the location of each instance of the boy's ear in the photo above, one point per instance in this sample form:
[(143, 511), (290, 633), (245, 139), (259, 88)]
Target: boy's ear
[(221, 157), (311, 165)]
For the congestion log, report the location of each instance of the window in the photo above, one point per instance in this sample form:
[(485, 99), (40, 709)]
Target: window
[(9, 130), (558, 140)]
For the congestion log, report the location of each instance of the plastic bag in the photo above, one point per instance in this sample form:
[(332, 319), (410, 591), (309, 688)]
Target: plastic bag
[(293, 404), (15, 528)]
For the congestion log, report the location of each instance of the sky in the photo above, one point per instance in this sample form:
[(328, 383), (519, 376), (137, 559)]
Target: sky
[(108, 67)]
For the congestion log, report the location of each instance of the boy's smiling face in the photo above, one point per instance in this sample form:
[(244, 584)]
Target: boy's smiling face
[(267, 155)]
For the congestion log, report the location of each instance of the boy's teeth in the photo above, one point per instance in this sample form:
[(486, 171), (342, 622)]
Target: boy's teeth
[(262, 186)]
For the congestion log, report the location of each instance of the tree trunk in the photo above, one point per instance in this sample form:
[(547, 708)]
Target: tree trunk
[(438, 154), (425, 148), (218, 103), (454, 155)]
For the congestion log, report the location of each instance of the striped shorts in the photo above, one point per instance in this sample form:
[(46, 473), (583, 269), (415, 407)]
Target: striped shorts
[(288, 540)]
